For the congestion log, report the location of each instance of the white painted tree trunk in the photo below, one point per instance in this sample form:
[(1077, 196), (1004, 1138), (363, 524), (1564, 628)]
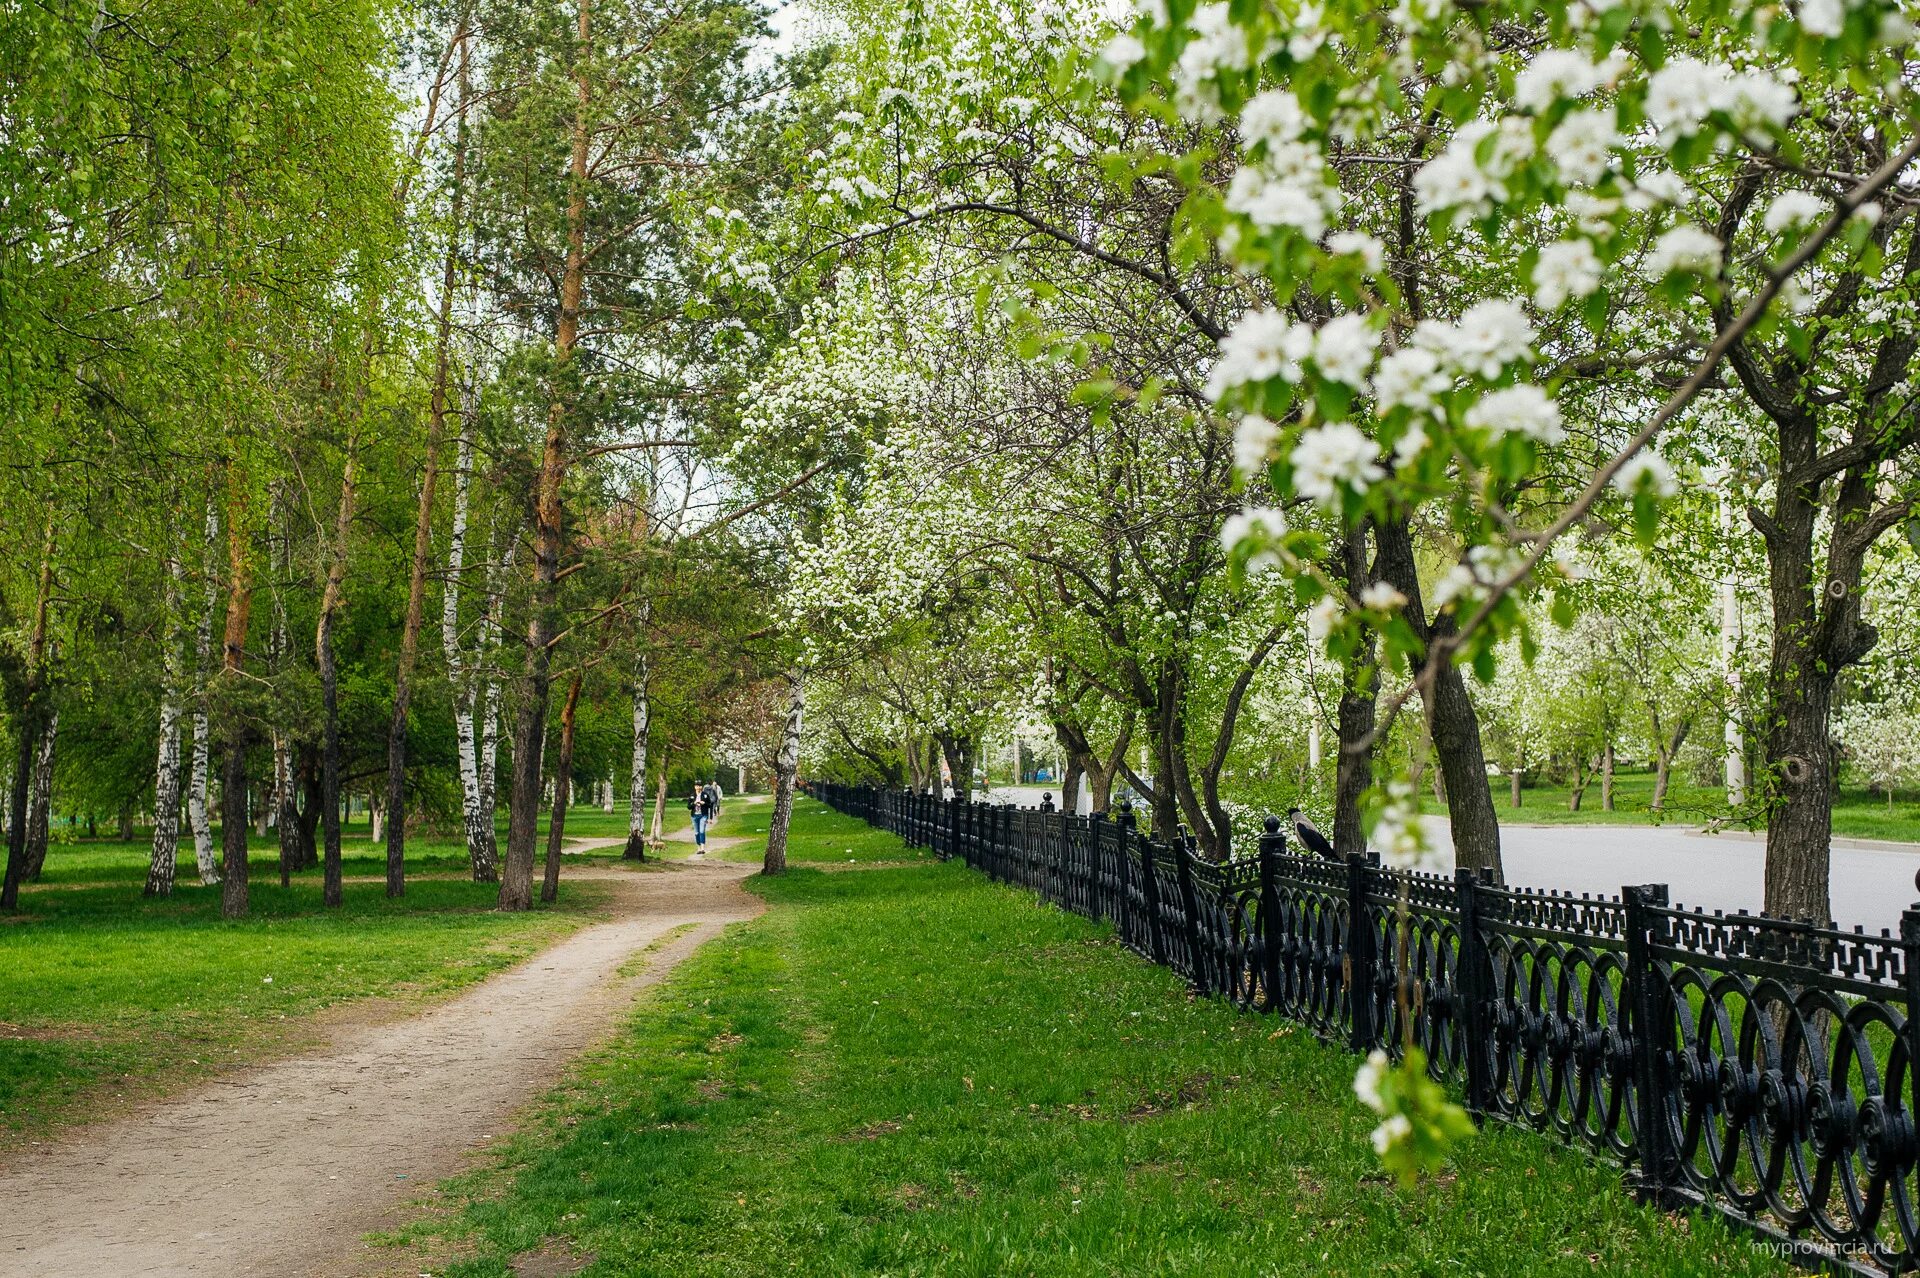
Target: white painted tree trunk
[(199, 817), (786, 768), (606, 795), (637, 789), (166, 768)]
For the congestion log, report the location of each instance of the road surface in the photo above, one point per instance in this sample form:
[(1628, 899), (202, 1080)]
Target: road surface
[(1871, 883)]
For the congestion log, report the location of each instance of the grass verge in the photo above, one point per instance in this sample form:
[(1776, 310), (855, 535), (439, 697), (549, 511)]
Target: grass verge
[(911, 1071), (1856, 813)]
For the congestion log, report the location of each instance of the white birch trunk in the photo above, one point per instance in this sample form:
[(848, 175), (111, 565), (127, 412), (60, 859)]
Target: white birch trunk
[(199, 817), (166, 768), (476, 808)]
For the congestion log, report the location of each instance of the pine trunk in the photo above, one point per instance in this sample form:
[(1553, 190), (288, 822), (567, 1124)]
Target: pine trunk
[(233, 786), (530, 729), (562, 793)]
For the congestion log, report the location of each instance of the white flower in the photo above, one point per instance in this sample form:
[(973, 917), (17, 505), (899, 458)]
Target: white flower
[(1398, 835), (1681, 94), (1122, 51), (1269, 201), (1366, 1081), (1685, 248), (1380, 596), (1407, 449), (1334, 457), (1271, 117), (1654, 187), (1393, 1129), (1456, 179), (1242, 524), (1823, 18), (1582, 146), (1410, 378), (1522, 410), (1756, 100), (1371, 252), (1217, 45), (1488, 336), (1252, 441), (1567, 268), (1343, 349), (1793, 209), (1322, 618), (1593, 214), (1263, 344), (1457, 582), (1553, 75), (1648, 471)]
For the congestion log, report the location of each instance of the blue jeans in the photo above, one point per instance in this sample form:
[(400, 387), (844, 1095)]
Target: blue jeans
[(700, 828)]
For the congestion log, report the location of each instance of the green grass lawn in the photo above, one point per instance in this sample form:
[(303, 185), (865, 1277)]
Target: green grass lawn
[(817, 834), (911, 1071), (1857, 814), (106, 996)]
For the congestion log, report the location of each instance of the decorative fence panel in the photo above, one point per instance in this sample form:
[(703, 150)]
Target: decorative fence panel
[(1762, 1068)]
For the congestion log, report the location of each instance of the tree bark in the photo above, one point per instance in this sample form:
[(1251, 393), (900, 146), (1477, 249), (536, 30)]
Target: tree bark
[(166, 769), (279, 655), (199, 816), (1358, 712), (516, 883), (786, 767), (562, 792), (659, 824), (233, 786), (1454, 724), (331, 599), (40, 803), (27, 727), (437, 409), (637, 789)]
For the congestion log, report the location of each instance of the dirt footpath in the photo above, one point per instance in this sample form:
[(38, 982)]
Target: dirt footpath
[(281, 1169)]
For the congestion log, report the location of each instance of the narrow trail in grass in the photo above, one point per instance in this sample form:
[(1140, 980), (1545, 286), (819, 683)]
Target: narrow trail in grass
[(282, 1169)]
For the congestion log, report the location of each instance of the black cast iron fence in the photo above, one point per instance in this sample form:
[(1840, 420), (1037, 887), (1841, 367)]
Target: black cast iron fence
[(1760, 1067)]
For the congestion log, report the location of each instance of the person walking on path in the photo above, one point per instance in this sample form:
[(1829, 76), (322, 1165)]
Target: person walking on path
[(712, 794), (700, 805)]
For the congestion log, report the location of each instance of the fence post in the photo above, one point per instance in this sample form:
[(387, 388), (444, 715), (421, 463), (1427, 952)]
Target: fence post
[(1362, 963), (1149, 885), (1097, 840), (1273, 845), (1472, 988), (1190, 902), (1652, 1008)]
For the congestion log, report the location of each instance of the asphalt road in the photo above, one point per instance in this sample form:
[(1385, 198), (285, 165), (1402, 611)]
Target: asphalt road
[(1871, 884)]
